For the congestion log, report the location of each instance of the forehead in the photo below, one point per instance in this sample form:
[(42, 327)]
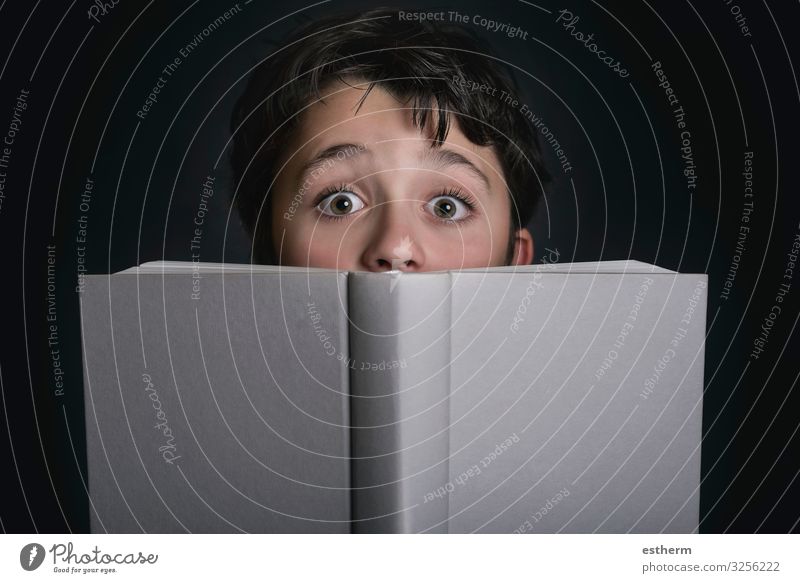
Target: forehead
[(382, 122)]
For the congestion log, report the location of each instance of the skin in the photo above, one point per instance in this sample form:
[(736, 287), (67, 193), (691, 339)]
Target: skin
[(397, 210)]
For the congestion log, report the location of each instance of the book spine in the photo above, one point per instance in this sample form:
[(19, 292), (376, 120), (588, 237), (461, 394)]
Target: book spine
[(399, 401)]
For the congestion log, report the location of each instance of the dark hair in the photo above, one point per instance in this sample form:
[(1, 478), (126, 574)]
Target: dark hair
[(411, 60)]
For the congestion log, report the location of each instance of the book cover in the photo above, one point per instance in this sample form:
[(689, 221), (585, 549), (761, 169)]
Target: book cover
[(552, 398)]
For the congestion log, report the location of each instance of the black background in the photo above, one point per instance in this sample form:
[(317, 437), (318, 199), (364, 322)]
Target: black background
[(626, 197)]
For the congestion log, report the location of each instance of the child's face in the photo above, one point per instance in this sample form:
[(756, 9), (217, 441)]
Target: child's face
[(367, 192)]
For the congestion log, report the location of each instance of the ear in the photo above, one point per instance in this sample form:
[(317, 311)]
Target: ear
[(523, 248)]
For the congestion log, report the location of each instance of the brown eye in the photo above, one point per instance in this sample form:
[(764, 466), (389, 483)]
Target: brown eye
[(449, 208), (340, 203), (445, 209)]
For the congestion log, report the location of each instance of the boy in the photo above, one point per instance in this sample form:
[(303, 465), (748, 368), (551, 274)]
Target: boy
[(375, 142)]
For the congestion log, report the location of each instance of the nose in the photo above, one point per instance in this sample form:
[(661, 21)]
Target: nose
[(392, 244)]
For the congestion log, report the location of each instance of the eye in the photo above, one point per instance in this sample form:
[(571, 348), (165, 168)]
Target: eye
[(340, 203), (449, 208)]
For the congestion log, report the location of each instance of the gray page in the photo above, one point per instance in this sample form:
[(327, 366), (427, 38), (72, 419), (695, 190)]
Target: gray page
[(576, 402), (217, 403)]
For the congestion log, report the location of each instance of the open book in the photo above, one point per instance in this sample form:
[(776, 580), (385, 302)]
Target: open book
[(546, 398)]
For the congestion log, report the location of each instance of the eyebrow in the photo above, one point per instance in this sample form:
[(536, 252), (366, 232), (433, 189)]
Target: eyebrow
[(442, 157), (438, 158), (332, 153)]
